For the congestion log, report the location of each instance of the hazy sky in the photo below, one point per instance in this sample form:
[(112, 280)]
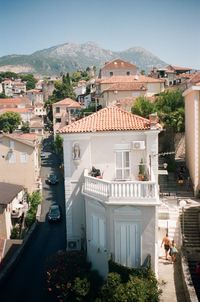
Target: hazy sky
[(169, 29)]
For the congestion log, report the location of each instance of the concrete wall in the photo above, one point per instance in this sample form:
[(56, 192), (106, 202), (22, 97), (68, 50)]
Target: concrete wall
[(98, 150), (145, 217), (19, 173), (192, 135)]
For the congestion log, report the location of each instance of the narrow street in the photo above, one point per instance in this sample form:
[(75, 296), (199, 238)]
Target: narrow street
[(26, 282)]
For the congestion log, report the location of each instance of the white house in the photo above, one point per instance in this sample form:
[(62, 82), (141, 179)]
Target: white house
[(115, 213)]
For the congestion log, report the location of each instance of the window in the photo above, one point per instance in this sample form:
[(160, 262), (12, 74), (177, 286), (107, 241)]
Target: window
[(111, 73), (11, 158), (23, 157), (128, 73), (57, 109), (98, 231), (122, 164), (12, 144), (58, 120)]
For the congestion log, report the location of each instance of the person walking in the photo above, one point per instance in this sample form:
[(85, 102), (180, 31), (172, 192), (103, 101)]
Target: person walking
[(173, 251), (167, 243)]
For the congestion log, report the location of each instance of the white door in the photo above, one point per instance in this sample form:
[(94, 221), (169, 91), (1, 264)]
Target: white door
[(127, 244)]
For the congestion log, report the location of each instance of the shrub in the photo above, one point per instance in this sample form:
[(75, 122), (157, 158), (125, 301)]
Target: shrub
[(15, 233), (34, 200)]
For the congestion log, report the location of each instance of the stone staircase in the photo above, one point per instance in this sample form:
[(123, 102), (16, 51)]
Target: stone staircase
[(190, 227), (168, 183)]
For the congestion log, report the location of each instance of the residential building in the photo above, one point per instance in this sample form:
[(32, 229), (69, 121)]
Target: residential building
[(119, 87), (111, 187), (25, 113), (80, 88), (64, 112), (117, 67), (119, 91), (12, 204), (36, 126), (19, 160), (20, 105), (13, 87), (35, 96), (192, 133), (172, 75)]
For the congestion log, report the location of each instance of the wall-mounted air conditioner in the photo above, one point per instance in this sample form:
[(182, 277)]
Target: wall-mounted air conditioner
[(138, 145), (73, 244)]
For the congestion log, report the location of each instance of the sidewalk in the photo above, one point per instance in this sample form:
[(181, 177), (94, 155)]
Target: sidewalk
[(170, 280)]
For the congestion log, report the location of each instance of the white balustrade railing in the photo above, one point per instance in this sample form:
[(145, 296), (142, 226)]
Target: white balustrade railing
[(119, 189)]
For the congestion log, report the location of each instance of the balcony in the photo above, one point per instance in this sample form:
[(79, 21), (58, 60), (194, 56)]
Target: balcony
[(120, 192)]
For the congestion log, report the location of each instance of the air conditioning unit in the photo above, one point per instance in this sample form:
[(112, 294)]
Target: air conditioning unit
[(138, 145), (73, 244)]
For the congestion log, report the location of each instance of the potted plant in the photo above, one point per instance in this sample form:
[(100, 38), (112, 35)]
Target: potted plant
[(141, 174)]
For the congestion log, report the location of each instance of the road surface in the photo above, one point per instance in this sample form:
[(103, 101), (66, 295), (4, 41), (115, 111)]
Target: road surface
[(26, 281)]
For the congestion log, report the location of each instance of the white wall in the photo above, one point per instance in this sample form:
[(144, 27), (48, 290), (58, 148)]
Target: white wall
[(98, 150)]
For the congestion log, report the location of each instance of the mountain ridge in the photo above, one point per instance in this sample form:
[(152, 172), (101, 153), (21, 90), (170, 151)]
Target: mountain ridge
[(69, 57)]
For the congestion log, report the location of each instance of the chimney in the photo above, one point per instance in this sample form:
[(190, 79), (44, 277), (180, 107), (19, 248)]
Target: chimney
[(153, 118)]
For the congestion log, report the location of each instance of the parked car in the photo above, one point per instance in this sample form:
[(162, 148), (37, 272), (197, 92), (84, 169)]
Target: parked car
[(52, 179), (54, 213)]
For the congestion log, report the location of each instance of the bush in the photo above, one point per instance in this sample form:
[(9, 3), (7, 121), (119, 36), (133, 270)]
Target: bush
[(34, 200), (15, 233), (69, 278)]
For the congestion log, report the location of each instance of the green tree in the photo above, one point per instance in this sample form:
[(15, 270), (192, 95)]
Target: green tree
[(29, 79), (8, 74), (25, 127), (10, 121), (142, 107), (3, 96), (63, 89), (58, 145), (170, 108)]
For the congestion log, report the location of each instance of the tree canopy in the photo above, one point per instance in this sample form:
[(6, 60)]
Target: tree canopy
[(9, 121), (170, 108), (63, 89)]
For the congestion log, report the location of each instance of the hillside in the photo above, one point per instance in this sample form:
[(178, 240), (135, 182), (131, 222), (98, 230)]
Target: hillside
[(69, 57)]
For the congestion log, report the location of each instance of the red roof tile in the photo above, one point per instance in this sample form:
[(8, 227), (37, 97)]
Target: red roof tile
[(108, 119), (126, 86), (118, 63), (15, 101), (129, 79), (69, 103)]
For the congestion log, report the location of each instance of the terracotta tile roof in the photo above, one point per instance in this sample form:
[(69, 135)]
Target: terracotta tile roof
[(28, 139), (8, 192), (24, 136), (19, 110), (69, 103), (36, 91), (108, 119), (180, 68), (126, 86), (15, 101), (129, 79), (118, 63), (195, 78)]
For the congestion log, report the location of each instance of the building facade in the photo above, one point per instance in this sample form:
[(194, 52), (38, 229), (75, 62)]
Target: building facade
[(111, 187)]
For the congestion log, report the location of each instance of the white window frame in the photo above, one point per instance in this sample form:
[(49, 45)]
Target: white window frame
[(23, 157), (12, 158), (98, 231), (123, 168), (11, 144)]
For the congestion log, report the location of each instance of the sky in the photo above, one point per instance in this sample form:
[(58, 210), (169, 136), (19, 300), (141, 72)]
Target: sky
[(169, 29)]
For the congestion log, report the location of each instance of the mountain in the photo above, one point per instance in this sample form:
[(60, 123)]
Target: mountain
[(69, 57)]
